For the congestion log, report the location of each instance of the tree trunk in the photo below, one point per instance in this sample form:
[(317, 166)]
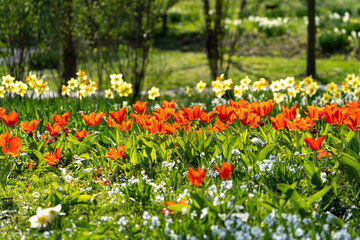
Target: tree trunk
[(213, 37), (311, 46), (164, 24), (69, 55), (242, 6)]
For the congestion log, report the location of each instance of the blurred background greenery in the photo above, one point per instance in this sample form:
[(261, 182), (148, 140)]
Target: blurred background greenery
[(173, 43)]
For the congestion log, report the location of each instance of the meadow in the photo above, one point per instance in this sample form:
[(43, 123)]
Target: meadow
[(283, 164)]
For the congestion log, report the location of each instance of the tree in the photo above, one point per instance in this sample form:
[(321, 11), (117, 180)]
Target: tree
[(311, 40), (68, 46), (220, 43), (20, 29), (166, 5)]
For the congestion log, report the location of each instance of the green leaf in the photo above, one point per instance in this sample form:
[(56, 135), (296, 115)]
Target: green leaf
[(350, 165), (313, 173), (354, 145), (317, 195), (265, 152)]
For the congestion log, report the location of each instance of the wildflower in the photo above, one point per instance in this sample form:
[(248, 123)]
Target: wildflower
[(9, 146), (38, 220), (188, 91), (53, 158), (116, 154), (262, 108), (124, 125), (196, 177), (200, 86), (140, 107), (53, 130), (153, 93), (61, 119), (315, 145), (323, 153), (29, 127), (278, 97), (225, 171), (2, 91), (289, 113), (109, 94), (93, 119), (315, 113), (51, 212), (7, 80), (326, 97), (81, 134), (279, 121), (11, 119), (110, 122)]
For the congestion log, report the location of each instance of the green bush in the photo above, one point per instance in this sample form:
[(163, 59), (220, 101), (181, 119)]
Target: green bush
[(40, 61), (333, 42)]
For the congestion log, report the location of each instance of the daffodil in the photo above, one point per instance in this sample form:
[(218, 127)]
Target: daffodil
[(326, 98), (153, 93), (200, 86), (7, 80), (109, 94)]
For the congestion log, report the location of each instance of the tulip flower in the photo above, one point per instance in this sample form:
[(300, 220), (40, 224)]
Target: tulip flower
[(80, 135), (225, 171), (315, 145), (279, 121), (29, 127), (196, 177), (140, 107), (118, 116), (53, 130), (289, 113), (315, 113), (11, 119), (125, 125), (323, 153), (53, 158), (93, 119), (9, 146), (262, 108), (61, 119), (116, 154)]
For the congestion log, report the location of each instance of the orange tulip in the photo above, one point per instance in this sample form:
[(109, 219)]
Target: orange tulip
[(225, 171), (262, 108), (353, 104), (251, 120), (303, 124), (241, 113), (45, 137), (225, 114), (140, 107), (180, 118), (169, 129), (353, 120), (323, 153), (162, 114), (53, 130), (81, 134), (11, 119), (94, 118), (218, 126), (118, 116), (289, 113), (166, 104), (9, 146), (334, 115), (29, 127), (239, 104), (279, 121), (315, 113), (116, 154), (206, 117), (61, 119), (53, 158), (110, 122), (125, 125), (196, 177), (171, 203), (2, 112), (191, 114), (315, 145)]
